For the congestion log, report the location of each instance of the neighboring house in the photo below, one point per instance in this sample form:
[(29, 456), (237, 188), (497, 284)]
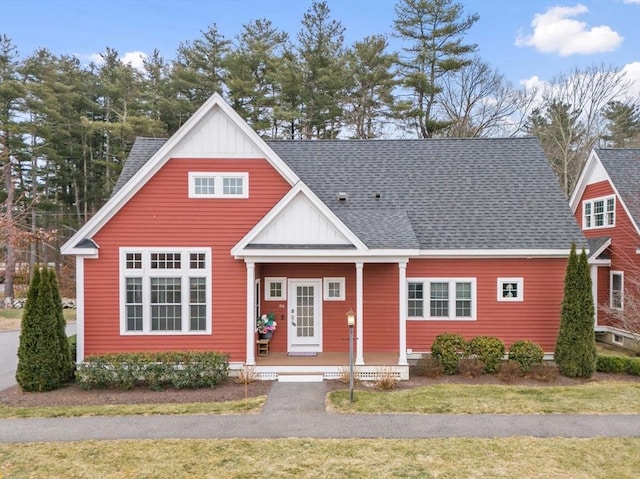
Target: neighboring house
[(214, 226), (606, 203)]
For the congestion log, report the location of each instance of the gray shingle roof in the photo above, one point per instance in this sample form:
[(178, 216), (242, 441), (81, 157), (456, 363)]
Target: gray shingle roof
[(456, 193), (623, 167), (141, 150), (432, 194)]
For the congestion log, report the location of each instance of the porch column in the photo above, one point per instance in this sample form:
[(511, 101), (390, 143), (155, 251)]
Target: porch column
[(594, 291), (79, 309), (402, 301), (251, 321), (359, 313)]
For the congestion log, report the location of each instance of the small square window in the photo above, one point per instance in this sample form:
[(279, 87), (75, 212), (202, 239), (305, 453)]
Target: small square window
[(197, 260), (275, 289), (232, 186), (134, 260), (334, 289), (617, 339), (510, 289), (205, 185)]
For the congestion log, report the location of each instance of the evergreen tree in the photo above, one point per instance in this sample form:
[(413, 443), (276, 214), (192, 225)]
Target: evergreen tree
[(623, 123), (39, 350), (434, 30), (575, 352), (369, 100), (324, 78), (251, 75)]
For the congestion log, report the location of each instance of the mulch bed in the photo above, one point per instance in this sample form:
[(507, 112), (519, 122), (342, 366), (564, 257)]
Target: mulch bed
[(72, 395)]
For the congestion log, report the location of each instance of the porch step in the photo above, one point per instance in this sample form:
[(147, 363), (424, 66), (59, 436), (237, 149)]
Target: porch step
[(306, 377)]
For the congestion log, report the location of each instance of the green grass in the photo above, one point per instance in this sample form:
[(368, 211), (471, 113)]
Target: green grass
[(250, 405), (325, 458), (590, 398)]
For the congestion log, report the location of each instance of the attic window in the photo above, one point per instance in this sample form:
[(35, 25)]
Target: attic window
[(218, 185), (599, 213)]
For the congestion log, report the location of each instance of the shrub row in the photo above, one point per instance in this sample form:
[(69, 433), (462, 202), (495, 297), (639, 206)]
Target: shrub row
[(618, 364), (182, 370), (449, 348)]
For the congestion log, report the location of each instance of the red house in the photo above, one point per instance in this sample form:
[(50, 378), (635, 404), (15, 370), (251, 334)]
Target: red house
[(214, 226), (606, 203)]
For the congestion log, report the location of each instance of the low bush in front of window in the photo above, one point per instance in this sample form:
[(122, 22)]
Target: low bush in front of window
[(181, 370), (429, 366), (633, 366), (526, 353), (489, 350), (611, 364), (448, 348)]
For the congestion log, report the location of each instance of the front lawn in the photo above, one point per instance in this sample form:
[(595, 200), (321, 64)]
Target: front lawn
[(598, 458), (10, 319), (589, 398)]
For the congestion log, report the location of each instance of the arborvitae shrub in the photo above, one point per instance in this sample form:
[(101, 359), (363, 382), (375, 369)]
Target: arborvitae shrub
[(429, 366), (448, 348), (526, 353), (66, 365), (611, 364), (575, 352), (471, 367), (509, 370), (39, 352), (489, 350)]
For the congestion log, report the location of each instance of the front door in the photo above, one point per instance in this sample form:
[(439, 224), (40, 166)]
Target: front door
[(305, 315)]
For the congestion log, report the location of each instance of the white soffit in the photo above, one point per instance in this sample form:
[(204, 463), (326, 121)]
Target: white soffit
[(301, 223), (216, 136)]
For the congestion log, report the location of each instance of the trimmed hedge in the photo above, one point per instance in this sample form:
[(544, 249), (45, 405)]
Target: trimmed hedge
[(448, 348), (489, 350), (182, 370), (618, 364), (526, 353)]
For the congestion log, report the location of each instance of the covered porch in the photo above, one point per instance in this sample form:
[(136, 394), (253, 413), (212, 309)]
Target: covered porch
[(330, 365)]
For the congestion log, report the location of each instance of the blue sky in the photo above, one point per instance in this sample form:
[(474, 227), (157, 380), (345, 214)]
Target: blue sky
[(525, 39)]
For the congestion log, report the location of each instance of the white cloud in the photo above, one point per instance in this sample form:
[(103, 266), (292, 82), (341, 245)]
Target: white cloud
[(135, 59), (632, 1), (632, 75), (555, 31)]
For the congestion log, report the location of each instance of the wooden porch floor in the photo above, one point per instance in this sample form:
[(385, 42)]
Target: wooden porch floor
[(325, 359)]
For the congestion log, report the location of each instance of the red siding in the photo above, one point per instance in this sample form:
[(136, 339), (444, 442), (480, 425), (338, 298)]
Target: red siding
[(161, 214), (536, 318), (624, 243)]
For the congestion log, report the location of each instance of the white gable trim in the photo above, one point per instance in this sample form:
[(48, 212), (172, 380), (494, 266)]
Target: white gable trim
[(592, 166), (240, 250), (157, 161), (593, 256)]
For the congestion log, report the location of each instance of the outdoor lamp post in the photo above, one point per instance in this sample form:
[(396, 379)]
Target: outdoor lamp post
[(351, 321)]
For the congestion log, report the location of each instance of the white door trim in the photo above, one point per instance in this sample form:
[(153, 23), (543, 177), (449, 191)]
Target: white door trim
[(312, 343)]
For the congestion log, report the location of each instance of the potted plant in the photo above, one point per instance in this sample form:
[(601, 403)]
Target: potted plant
[(266, 325)]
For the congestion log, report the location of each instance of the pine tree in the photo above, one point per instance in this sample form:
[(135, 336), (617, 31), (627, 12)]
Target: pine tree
[(39, 350), (433, 30), (575, 352)]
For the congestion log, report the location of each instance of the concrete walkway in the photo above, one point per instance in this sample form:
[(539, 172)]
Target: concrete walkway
[(296, 410)]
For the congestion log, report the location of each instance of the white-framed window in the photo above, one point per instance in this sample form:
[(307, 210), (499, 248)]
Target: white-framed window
[(275, 289), (510, 289), (218, 185), (334, 289), (165, 291), (616, 289), (442, 298), (599, 213), (617, 339)]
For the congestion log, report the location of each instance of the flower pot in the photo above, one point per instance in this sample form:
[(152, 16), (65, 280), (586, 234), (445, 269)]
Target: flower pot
[(266, 335)]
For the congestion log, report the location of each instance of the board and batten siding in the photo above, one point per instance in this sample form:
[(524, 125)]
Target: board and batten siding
[(624, 244), (162, 215), (537, 318)]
